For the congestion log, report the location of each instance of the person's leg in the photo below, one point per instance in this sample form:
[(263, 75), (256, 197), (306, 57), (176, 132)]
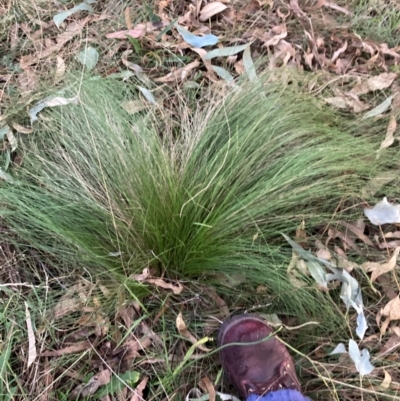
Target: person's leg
[(263, 371)]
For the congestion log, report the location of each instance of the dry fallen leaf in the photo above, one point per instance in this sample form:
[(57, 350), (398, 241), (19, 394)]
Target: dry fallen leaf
[(88, 389), (390, 346), (391, 129), (22, 129), (212, 293), (145, 277), (375, 83), (386, 267), (207, 387), (392, 311), (211, 9), (73, 349), (138, 394), (386, 381), (180, 74), (32, 353), (184, 332)]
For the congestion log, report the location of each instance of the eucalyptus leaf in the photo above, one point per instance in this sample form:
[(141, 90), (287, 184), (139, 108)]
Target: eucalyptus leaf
[(224, 74), (194, 40), (60, 18), (248, 64), (380, 108), (225, 52), (89, 57)]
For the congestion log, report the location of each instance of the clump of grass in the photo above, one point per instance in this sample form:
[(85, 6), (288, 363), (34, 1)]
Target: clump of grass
[(112, 192), (377, 20)]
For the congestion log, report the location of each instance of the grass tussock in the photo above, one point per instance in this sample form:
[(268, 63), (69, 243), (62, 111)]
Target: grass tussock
[(115, 192)]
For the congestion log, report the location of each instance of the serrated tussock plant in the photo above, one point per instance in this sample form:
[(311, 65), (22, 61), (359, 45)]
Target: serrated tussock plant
[(115, 192)]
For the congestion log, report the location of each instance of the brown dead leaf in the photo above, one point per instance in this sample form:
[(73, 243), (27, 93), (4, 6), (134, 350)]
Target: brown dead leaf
[(184, 332), (207, 387), (139, 30), (88, 389), (273, 36), (145, 277), (375, 83), (212, 293), (180, 74), (128, 20), (211, 9), (391, 311), (207, 63), (73, 349), (358, 231), (138, 393), (131, 348), (385, 267), (391, 344)]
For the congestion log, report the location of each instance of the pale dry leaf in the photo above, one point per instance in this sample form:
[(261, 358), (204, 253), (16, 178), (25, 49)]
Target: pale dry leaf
[(138, 393), (211, 9), (207, 386), (145, 277), (66, 306), (338, 52), (184, 332), (176, 288), (324, 254), (73, 349), (391, 129), (386, 380), (391, 311), (180, 74), (386, 267), (375, 83), (21, 128), (32, 353), (60, 69), (334, 6), (142, 276), (134, 106), (137, 32), (396, 330), (127, 15), (338, 101), (50, 102)]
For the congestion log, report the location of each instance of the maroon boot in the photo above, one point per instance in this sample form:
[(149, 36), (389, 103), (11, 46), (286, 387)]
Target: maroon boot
[(256, 368)]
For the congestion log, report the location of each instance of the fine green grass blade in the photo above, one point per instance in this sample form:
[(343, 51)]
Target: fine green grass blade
[(98, 182)]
